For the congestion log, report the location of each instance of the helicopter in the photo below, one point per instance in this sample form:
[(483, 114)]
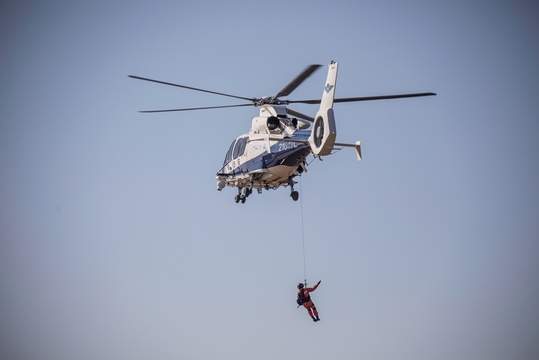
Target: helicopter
[(275, 149)]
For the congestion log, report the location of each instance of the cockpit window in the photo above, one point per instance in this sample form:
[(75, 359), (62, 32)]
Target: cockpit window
[(237, 148), (240, 147)]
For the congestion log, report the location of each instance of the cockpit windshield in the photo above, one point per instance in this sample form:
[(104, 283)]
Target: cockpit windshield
[(228, 156), (237, 148)]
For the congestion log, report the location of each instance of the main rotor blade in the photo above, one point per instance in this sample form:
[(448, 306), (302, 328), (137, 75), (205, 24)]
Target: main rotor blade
[(192, 88), (383, 97), (309, 70), (365, 98), (196, 108), (300, 115)]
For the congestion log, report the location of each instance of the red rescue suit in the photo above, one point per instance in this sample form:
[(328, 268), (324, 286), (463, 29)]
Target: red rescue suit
[(307, 302)]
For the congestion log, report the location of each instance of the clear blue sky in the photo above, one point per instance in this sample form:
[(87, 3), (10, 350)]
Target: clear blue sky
[(115, 243)]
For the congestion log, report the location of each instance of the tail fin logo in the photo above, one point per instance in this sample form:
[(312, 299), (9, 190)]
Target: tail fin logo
[(328, 87)]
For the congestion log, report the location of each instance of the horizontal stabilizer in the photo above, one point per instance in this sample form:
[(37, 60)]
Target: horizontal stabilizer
[(357, 146)]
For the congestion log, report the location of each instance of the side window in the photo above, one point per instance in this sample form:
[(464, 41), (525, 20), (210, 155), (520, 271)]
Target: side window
[(240, 147)]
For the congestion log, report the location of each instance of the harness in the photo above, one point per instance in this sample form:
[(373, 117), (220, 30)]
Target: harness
[(302, 299)]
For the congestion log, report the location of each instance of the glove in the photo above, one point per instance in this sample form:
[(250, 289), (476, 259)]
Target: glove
[(319, 282)]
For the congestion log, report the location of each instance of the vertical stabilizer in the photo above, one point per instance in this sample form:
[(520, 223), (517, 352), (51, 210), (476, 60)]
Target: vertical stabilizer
[(324, 130), (329, 89)]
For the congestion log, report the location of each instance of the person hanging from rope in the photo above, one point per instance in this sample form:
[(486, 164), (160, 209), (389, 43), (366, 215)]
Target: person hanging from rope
[(304, 298)]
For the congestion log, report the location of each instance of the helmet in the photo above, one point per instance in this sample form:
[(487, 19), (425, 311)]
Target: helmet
[(300, 286)]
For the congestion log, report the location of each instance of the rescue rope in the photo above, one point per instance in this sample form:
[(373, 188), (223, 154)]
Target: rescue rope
[(302, 231)]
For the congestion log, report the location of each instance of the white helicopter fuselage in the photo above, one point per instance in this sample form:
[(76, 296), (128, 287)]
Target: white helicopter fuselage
[(276, 148), (270, 155)]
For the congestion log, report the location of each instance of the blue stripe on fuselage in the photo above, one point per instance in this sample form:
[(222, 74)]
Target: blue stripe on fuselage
[(283, 153)]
